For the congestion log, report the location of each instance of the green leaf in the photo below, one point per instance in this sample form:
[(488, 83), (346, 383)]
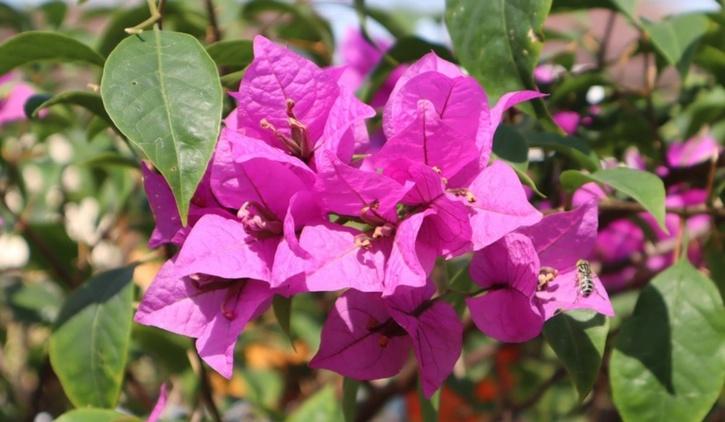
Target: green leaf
[(405, 50), (570, 146), (89, 343), (349, 398), (323, 406), (642, 186), (231, 53), (232, 80), (32, 103), (33, 46), (264, 387), (303, 28), (282, 307), (162, 91), (95, 415), (387, 20), (89, 101), (676, 38), (509, 145), (498, 42), (669, 361), (54, 12), (628, 8), (429, 407), (578, 339)]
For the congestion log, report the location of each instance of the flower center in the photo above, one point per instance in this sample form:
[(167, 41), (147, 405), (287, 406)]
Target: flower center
[(298, 142), (258, 220)]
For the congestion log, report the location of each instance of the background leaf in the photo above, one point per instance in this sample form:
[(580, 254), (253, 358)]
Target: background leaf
[(676, 38), (349, 398), (169, 105), (231, 53), (89, 344), (578, 339), (322, 406), (90, 101), (33, 46), (642, 186), (669, 361), (498, 42), (96, 415)]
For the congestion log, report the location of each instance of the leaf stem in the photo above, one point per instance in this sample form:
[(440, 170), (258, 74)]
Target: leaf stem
[(155, 17), (214, 33)]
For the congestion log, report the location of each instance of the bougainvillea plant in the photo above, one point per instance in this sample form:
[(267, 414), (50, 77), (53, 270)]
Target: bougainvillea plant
[(497, 224)]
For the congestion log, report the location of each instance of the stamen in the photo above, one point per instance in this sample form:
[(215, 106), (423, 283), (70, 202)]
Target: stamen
[(437, 170), (230, 301), (257, 219), (363, 241), (383, 341), (385, 230), (465, 193)]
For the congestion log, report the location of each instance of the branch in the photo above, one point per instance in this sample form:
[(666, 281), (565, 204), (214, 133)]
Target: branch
[(206, 395), (214, 34), (632, 207)]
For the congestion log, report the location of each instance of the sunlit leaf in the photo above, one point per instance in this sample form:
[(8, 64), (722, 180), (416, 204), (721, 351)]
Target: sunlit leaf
[(89, 344), (34, 46), (578, 339), (669, 361), (169, 105), (642, 186)]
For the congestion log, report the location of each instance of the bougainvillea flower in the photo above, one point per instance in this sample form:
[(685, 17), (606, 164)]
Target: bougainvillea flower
[(458, 100), (212, 288), (439, 118), (368, 337), (12, 106), (568, 121), (508, 270), (693, 151), (349, 191), (361, 57), (168, 227), (516, 302), (560, 241), (290, 103)]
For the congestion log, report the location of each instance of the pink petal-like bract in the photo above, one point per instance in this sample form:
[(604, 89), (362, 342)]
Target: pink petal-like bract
[(500, 205), (435, 331), (338, 261), (360, 340), (160, 405), (506, 315)]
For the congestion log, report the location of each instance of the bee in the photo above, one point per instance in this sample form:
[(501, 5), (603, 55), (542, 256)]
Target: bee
[(546, 276), (584, 278)]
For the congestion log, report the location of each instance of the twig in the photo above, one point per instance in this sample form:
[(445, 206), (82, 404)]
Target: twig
[(155, 16), (138, 389), (214, 34), (602, 53), (206, 395), (631, 207)]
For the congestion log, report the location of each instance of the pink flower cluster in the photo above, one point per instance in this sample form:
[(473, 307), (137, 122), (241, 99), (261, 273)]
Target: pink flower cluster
[(290, 205)]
